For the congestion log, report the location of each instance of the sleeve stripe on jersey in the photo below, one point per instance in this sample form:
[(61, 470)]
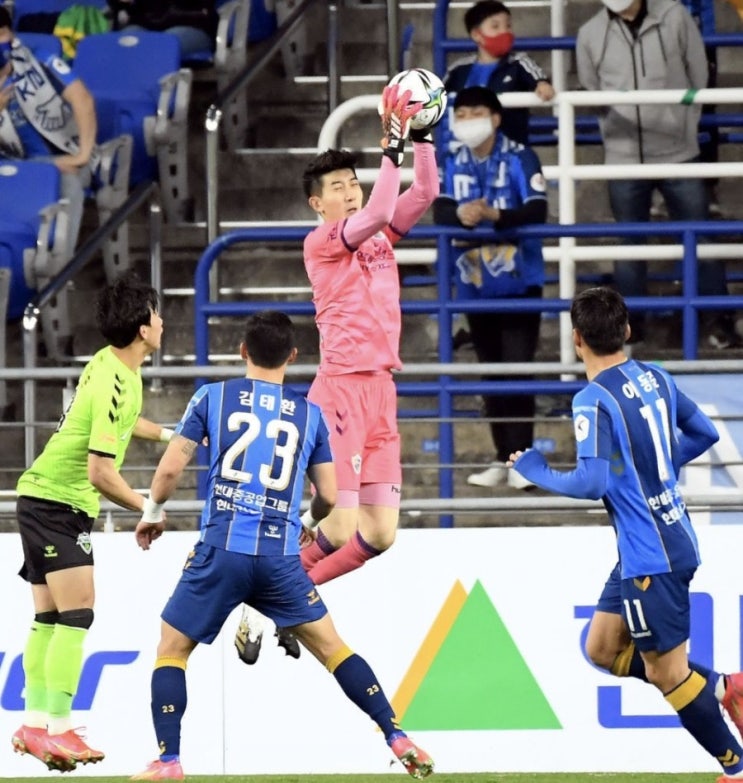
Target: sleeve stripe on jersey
[(530, 66), (113, 414)]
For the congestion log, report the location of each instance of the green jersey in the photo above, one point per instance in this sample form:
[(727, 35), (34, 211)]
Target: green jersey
[(100, 420)]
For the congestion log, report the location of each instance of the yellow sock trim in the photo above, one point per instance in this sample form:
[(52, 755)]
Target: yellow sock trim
[(179, 663), (337, 659), (685, 693), (621, 664)]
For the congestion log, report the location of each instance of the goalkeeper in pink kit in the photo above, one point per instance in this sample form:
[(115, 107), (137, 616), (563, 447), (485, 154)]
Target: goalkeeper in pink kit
[(356, 291)]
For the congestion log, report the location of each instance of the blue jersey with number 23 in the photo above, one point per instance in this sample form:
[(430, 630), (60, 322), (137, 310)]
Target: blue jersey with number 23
[(262, 438)]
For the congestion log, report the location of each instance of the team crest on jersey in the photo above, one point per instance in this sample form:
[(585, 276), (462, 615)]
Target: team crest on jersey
[(582, 427), (84, 542), (537, 182), (356, 463)]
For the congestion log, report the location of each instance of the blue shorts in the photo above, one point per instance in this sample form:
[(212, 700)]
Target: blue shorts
[(215, 581), (655, 608)]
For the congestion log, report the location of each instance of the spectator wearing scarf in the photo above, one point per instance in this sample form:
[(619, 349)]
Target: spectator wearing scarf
[(46, 112)]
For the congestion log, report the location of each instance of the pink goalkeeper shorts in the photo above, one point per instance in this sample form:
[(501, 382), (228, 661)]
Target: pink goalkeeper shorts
[(361, 412)]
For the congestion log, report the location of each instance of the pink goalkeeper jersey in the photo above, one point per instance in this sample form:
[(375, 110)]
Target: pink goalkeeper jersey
[(353, 272), (357, 300)]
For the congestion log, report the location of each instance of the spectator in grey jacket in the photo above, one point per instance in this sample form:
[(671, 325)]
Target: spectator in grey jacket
[(640, 45)]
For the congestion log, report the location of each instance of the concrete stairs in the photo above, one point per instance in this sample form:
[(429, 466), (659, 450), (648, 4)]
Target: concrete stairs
[(260, 184)]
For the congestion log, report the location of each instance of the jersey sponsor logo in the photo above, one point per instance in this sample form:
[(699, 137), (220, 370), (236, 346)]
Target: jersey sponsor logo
[(582, 428), (356, 464), (537, 182)]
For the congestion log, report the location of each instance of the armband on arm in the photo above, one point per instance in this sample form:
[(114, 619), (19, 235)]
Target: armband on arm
[(166, 435)]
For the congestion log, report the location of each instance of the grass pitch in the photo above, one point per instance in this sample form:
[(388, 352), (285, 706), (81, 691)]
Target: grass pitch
[(485, 777)]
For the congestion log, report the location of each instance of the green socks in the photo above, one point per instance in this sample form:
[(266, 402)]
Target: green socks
[(64, 662), (34, 658)]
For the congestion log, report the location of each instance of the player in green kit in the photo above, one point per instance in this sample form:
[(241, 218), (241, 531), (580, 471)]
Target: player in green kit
[(58, 502)]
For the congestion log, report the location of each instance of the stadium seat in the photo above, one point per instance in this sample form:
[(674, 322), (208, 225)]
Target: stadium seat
[(42, 45), (140, 90), (228, 57), (33, 244)]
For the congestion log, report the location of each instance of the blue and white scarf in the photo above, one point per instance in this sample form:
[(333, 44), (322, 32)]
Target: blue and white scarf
[(41, 104)]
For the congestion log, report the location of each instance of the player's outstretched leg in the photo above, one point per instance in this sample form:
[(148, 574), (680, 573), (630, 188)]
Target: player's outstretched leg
[(732, 701), (249, 635), (72, 748), (417, 762), (35, 742), (161, 770)]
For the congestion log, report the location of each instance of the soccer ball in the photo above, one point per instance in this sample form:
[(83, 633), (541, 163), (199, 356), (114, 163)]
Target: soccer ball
[(426, 88)]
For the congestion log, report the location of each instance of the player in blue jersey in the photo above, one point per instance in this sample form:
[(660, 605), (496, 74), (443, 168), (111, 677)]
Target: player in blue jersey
[(634, 430), (263, 438), (492, 181)]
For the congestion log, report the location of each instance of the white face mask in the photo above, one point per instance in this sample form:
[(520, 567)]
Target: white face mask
[(472, 132)]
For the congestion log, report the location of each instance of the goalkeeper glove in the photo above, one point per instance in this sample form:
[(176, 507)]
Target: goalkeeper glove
[(396, 112)]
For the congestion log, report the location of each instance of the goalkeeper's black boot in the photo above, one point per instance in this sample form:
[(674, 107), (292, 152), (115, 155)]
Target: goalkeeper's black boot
[(288, 641)]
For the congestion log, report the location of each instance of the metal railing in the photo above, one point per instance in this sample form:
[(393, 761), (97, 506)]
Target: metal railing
[(444, 388), (145, 192), (568, 172)]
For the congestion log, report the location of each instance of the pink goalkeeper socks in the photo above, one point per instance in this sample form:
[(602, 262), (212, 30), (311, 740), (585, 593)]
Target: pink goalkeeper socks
[(316, 551), (352, 555)]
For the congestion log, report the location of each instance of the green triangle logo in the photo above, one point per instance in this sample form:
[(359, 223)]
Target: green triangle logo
[(470, 675)]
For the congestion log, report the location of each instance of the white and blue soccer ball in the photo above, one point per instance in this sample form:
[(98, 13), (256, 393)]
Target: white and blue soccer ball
[(425, 88)]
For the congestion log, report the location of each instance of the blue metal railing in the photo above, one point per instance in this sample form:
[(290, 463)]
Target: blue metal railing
[(445, 388)]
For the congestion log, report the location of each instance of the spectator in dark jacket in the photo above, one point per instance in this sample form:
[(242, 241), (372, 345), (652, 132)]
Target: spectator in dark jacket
[(495, 66)]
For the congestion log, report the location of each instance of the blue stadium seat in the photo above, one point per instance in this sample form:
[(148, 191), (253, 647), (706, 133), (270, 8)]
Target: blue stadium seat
[(33, 242), (140, 89), (42, 44), (26, 189)]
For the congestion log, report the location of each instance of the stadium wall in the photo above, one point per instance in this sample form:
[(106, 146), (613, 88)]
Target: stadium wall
[(476, 634)]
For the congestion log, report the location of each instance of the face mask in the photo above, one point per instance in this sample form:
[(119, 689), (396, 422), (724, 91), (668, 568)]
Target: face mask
[(5, 50), (472, 132), (497, 45)]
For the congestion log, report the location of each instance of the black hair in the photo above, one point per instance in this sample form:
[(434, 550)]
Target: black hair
[(601, 317), (123, 307), (324, 163), (5, 18), (478, 96), (269, 338), (479, 12)]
